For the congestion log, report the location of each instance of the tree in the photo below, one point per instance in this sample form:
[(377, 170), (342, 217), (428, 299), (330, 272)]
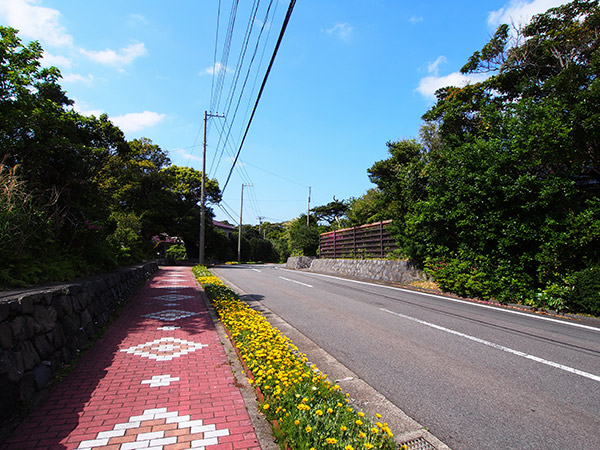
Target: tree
[(496, 201), (332, 212), (369, 208), (303, 240)]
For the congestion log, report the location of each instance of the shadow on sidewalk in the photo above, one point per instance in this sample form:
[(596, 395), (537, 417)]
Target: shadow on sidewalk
[(68, 404)]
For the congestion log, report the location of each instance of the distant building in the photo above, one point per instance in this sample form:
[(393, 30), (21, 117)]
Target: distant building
[(224, 227)]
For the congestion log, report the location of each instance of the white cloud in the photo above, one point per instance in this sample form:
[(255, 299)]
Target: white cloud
[(520, 12), (77, 78), (341, 30), (429, 85), (137, 121), (184, 154), (416, 19), (434, 67), (216, 68), (83, 109), (62, 62), (118, 59), (35, 22)]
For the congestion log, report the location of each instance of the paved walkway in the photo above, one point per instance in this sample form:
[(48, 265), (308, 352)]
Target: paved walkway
[(158, 379)]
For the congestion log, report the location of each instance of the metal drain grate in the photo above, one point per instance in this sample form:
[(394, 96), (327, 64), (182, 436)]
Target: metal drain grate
[(417, 444)]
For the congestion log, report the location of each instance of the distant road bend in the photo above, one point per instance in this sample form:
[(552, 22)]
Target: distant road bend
[(477, 376)]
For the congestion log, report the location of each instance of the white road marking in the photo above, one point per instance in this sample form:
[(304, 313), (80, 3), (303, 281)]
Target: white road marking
[(256, 270), (294, 281), (498, 346), (456, 300)]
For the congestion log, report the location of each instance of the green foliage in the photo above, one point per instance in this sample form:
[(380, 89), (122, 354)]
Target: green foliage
[(368, 208), (332, 213), (176, 252), (77, 197), (303, 240), (584, 292), (500, 198), (125, 240)]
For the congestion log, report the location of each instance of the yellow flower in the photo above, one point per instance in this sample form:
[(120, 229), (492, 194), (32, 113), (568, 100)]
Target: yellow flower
[(362, 435), (318, 412), (379, 424), (296, 422), (266, 406), (374, 430), (378, 415), (348, 447), (329, 410), (368, 446), (331, 440), (308, 429), (361, 414), (359, 422), (343, 428)]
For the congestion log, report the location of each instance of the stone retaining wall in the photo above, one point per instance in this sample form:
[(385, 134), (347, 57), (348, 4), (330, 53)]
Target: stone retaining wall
[(370, 269), (299, 262), (43, 329)]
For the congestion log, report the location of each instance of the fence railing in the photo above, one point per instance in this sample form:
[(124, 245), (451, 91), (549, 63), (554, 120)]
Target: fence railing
[(366, 241)]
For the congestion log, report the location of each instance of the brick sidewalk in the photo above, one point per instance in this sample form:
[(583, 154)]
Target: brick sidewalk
[(158, 379)]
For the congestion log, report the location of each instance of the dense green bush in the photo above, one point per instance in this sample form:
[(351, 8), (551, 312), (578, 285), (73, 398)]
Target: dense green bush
[(584, 295), (176, 252)]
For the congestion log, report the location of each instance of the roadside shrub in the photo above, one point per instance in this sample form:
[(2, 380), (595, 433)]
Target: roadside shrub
[(176, 252), (584, 295)]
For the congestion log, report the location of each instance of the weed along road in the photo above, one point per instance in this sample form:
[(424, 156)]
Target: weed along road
[(477, 376)]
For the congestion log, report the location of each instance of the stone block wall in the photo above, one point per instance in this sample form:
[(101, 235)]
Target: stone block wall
[(43, 329), (403, 272), (299, 262)]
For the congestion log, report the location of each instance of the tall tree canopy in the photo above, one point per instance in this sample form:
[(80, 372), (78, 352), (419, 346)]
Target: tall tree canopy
[(501, 198), (76, 196)]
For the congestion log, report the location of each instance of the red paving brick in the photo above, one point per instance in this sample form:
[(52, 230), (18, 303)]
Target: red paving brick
[(158, 378)]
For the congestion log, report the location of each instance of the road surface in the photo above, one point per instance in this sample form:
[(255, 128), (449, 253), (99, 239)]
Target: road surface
[(477, 376)]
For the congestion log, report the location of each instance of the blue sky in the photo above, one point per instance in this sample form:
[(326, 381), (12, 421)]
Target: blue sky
[(349, 76)]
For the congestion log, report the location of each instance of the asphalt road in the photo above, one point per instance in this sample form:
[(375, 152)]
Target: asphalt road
[(478, 377)]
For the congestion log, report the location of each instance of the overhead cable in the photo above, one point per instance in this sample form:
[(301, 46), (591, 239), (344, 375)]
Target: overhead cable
[(262, 87)]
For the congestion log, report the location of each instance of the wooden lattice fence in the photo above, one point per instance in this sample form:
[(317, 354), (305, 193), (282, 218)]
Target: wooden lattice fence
[(366, 241)]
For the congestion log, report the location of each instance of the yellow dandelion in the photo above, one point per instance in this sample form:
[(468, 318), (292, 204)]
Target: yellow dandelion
[(308, 429), (318, 412), (266, 406), (361, 414), (343, 428), (331, 440), (359, 422)]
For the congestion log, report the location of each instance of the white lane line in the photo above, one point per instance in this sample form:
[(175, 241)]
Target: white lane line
[(294, 281), (498, 346), (456, 300), (256, 270)]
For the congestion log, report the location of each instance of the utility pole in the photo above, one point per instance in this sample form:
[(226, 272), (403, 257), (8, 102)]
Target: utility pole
[(201, 245), (308, 209), (240, 225), (260, 221)]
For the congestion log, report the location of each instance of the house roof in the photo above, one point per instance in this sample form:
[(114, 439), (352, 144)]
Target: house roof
[(223, 226)]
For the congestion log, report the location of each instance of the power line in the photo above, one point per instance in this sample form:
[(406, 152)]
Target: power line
[(274, 174), (216, 99), (243, 88), (262, 87)]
